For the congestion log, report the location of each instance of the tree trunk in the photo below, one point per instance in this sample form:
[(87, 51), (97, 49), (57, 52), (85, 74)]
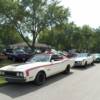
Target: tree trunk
[(22, 36), (34, 39)]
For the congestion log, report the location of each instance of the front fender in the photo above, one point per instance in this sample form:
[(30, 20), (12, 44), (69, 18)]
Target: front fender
[(39, 70)]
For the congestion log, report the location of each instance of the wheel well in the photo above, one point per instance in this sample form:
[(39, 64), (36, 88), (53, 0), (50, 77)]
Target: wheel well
[(68, 65), (85, 62), (42, 71)]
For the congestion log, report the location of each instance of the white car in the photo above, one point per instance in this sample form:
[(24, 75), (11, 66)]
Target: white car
[(83, 59), (37, 69)]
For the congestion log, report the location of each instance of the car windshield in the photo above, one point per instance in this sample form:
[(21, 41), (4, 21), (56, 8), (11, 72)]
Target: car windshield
[(82, 55), (39, 58), (19, 51)]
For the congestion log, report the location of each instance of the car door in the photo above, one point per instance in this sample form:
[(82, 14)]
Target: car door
[(57, 64)]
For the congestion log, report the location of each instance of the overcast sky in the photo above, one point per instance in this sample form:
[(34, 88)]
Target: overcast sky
[(84, 11)]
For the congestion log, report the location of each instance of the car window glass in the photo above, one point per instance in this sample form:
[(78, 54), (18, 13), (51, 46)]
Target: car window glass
[(39, 58), (55, 57)]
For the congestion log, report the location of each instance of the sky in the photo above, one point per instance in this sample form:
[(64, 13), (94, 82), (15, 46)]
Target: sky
[(84, 12)]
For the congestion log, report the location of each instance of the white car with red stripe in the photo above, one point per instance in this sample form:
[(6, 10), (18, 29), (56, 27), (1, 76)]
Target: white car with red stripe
[(37, 69)]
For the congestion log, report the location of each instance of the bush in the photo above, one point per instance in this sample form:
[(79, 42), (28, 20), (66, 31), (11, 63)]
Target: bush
[(1, 47)]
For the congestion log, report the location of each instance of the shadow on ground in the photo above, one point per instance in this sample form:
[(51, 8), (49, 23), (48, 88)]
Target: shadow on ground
[(82, 68), (17, 90)]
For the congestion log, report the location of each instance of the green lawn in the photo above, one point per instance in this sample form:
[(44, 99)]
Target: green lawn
[(5, 62), (2, 81)]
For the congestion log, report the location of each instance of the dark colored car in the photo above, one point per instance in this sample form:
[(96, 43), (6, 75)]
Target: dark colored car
[(7, 51), (19, 55)]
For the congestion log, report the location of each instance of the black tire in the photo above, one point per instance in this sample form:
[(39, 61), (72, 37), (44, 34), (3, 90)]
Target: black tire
[(67, 70), (40, 78), (92, 63), (85, 65)]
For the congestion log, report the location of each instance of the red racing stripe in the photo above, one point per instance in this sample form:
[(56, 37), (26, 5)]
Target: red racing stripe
[(27, 71)]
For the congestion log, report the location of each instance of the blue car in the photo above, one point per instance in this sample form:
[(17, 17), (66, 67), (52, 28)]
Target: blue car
[(19, 55)]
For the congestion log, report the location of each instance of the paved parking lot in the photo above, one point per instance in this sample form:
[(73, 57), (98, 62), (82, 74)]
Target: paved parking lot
[(81, 84)]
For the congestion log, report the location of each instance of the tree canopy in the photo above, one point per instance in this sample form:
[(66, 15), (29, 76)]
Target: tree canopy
[(70, 36), (32, 16), (49, 21)]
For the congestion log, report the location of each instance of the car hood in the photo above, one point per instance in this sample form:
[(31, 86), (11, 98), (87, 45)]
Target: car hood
[(23, 67), (97, 56), (80, 58)]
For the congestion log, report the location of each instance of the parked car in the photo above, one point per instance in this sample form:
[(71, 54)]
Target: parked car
[(83, 59), (19, 55), (37, 69), (96, 57), (7, 51)]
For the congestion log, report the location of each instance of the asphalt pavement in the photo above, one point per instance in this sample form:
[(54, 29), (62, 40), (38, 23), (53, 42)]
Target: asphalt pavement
[(80, 84)]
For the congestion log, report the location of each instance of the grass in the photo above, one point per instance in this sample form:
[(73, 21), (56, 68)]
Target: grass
[(2, 81), (5, 62)]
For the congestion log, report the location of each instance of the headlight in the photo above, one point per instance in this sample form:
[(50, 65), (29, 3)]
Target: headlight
[(17, 74), (20, 74), (79, 62)]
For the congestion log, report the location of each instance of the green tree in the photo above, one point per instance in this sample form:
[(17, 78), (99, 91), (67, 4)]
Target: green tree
[(1, 45), (8, 35), (69, 36), (87, 33), (96, 43), (32, 16)]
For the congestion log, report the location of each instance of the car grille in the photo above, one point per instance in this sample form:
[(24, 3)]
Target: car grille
[(76, 62), (10, 73)]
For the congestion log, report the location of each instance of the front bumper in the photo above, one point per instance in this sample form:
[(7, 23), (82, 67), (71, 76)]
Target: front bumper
[(11, 76), (78, 63), (15, 79)]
